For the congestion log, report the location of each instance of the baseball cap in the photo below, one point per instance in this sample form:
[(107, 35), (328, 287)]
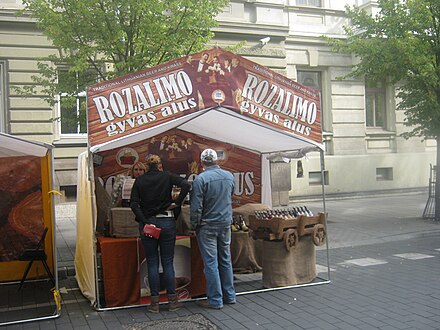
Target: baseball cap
[(208, 156)]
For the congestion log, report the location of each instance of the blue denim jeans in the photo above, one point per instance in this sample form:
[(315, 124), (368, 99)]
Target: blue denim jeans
[(214, 243), (166, 243)]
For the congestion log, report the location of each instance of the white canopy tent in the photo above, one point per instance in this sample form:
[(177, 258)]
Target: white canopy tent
[(222, 124), (12, 146), (248, 106), (218, 123), (12, 150)]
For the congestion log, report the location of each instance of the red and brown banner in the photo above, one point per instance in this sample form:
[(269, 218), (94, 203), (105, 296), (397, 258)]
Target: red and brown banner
[(215, 77), (21, 205), (180, 153)]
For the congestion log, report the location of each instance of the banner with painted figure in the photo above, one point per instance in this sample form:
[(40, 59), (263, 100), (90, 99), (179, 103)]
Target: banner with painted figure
[(180, 153), (21, 205), (211, 78)]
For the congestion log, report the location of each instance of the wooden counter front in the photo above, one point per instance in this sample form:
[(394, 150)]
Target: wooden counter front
[(120, 264), (120, 260)]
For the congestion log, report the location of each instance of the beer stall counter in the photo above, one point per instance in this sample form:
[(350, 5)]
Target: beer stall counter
[(244, 111)]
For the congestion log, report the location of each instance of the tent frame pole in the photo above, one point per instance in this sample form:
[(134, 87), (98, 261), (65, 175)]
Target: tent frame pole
[(33, 320), (54, 248), (94, 221), (242, 293), (321, 155)]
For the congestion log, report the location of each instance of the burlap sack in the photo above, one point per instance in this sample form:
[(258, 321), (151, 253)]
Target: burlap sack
[(282, 268), (183, 223), (103, 202), (245, 253), (123, 223)]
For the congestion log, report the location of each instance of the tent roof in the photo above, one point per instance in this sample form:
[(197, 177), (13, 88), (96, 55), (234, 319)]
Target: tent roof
[(221, 124), (11, 146)]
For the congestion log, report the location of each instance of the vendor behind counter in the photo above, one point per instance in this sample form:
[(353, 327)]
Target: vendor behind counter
[(123, 184)]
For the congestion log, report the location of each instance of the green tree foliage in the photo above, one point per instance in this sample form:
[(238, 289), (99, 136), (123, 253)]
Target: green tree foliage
[(102, 39), (401, 43)]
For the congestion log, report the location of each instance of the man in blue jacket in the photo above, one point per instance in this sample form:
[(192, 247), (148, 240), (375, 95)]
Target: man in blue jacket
[(211, 217)]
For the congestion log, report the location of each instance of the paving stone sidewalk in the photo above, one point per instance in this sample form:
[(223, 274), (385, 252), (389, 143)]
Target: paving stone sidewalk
[(392, 285), (384, 261)]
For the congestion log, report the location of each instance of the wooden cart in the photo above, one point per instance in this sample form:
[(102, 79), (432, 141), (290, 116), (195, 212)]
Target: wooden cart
[(289, 230)]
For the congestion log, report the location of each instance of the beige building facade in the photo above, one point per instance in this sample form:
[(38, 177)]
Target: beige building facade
[(362, 129)]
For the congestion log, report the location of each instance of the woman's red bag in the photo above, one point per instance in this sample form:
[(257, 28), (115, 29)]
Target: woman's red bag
[(152, 230)]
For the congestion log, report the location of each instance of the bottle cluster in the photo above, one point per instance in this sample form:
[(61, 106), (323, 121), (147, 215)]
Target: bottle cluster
[(285, 213), (238, 223)]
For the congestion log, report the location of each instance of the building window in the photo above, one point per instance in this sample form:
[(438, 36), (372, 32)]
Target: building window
[(313, 80), (73, 114), (72, 106), (375, 104), (310, 79), (384, 174), (312, 3), (315, 178), (2, 96)]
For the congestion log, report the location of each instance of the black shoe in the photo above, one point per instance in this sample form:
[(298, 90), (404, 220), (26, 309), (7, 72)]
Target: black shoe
[(206, 304), (229, 302)]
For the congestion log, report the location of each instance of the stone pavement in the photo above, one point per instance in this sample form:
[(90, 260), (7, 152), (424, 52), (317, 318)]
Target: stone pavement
[(385, 266), (375, 219)]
